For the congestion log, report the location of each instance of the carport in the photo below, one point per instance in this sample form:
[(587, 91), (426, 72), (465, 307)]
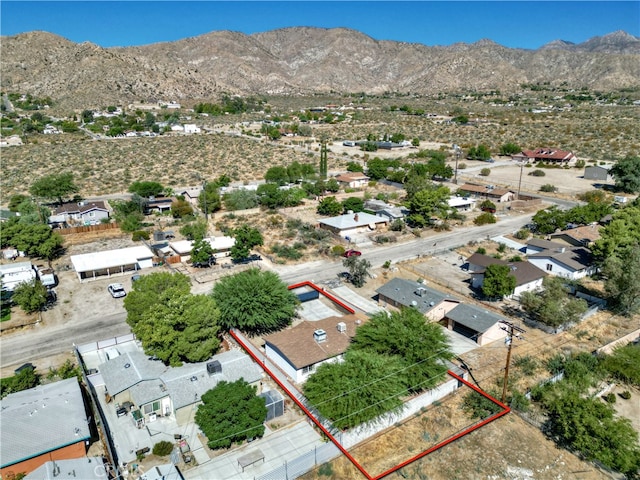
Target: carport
[(112, 262)]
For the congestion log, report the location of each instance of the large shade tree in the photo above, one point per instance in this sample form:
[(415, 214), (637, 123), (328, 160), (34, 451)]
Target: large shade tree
[(422, 347), (55, 186), (172, 324), (254, 301), (498, 281), (626, 173), (231, 413), (246, 237)]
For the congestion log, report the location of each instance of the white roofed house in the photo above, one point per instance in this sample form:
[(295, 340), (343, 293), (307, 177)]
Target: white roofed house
[(353, 224), (221, 247), (13, 274), (112, 262), (41, 424)]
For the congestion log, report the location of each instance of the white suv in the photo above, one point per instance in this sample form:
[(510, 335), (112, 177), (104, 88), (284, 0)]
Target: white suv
[(116, 290)]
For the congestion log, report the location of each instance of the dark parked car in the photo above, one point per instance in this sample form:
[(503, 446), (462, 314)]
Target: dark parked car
[(206, 264), (251, 258)]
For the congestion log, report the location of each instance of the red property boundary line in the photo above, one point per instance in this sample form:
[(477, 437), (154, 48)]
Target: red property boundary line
[(504, 411), (322, 292)]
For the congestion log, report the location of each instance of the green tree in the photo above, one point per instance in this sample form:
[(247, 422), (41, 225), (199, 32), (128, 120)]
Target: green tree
[(25, 379), (481, 152), (429, 202), (55, 186), (246, 238), (354, 204), (277, 175), (181, 208), (332, 185), (15, 201), (626, 173), (549, 220), (358, 268), (147, 189), (240, 200), (498, 281), (254, 301), (329, 206), (209, 200), (231, 413), (377, 168), (553, 306), (423, 347), (36, 240), (622, 279), (172, 324), (195, 230), (621, 233), (370, 384), (509, 149), (354, 167), (201, 252), (30, 296)]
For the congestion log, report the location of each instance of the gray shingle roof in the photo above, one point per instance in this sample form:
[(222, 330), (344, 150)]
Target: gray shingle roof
[(405, 292), (149, 380), (524, 272), (577, 258), (41, 419), (544, 244), (473, 317)]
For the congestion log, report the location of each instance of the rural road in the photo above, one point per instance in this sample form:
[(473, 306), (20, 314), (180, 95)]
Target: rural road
[(41, 341)]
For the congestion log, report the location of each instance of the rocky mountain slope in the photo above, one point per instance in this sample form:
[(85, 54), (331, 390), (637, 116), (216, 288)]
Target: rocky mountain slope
[(299, 60)]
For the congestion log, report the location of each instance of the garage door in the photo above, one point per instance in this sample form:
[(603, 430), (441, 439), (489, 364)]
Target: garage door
[(466, 331)]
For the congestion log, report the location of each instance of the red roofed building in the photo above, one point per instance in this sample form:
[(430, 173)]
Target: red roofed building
[(546, 155)]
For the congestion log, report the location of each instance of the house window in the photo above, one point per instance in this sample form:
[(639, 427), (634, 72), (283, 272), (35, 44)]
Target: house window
[(92, 214), (151, 407), (307, 369), (549, 267)]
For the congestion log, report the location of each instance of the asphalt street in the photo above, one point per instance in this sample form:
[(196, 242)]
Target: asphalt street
[(41, 341)]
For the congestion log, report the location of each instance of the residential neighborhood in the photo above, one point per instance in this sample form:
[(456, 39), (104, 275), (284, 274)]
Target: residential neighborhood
[(332, 286)]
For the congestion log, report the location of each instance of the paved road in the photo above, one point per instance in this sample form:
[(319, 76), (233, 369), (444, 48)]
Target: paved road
[(41, 342)]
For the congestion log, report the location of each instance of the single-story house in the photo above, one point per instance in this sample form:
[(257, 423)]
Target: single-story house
[(461, 204), (81, 213), (475, 323), (110, 262), (528, 276), (13, 274), (393, 213), (191, 194), (401, 293), (546, 155), (221, 247), (299, 350), (42, 424), (156, 390), (488, 191), (158, 204), (597, 172), (557, 258), (353, 180), (582, 236), (191, 128), (88, 468), (351, 224)]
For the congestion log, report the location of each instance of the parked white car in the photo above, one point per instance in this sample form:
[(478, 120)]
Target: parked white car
[(116, 290)]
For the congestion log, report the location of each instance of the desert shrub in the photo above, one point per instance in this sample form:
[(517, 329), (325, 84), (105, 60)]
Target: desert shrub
[(337, 250), (547, 187), (515, 258), (462, 166), (485, 172), (485, 218), (140, 235), (397, 225), (537, 173), (502, 247), (527, 364), (162, 448), (522, 234), (478, 406), (609, 398), (285, 251), (625, 395), (481, 251)]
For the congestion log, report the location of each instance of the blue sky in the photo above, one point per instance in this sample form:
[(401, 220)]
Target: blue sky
[(520, 24)]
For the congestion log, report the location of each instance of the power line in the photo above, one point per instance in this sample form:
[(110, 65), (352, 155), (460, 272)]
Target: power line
[(510, 328)]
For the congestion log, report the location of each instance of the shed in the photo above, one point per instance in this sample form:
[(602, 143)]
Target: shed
[(274, 402), (597, 172)]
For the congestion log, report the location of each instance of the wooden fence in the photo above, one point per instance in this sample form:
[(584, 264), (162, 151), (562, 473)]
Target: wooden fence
[(87, 228)]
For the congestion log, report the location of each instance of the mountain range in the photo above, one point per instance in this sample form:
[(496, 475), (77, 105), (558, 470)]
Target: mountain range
[(300, 61)]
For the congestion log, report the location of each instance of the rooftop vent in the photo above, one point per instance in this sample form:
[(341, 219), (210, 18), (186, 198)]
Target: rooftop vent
[(420, 291), (319, 335), (214, 367), (342, 327)]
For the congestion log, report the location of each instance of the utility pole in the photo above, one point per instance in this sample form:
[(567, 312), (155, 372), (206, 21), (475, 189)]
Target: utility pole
[(456, 148), (510, 328), (520, 181), (204, 197)]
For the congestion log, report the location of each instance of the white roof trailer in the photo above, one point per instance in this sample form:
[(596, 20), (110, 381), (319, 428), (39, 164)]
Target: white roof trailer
[(110, 262)]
